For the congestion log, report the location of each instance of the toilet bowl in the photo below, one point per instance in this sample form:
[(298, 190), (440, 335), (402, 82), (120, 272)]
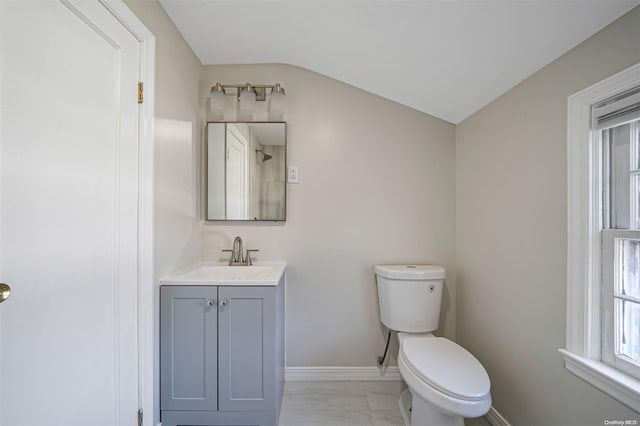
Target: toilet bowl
[(446, 382)]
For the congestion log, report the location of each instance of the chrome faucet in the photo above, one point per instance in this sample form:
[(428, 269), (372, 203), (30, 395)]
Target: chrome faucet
[(236, 253), (237, 256)]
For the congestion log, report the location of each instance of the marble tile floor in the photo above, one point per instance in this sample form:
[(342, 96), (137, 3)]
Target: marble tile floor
[(346, 404)]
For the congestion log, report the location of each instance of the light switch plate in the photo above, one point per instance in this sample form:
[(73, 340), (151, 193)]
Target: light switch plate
[(293, 174)]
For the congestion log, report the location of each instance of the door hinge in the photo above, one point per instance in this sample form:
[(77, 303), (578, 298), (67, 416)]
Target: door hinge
[(139, 417), (140, 92)]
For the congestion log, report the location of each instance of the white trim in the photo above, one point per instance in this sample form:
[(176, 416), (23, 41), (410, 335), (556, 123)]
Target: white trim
[(146, 230), (145, 205), (620, 386), (583, 237), (331, 374), (495, 418)]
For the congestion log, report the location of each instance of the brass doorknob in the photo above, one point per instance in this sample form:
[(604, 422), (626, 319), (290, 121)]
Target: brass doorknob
[(5, 292)]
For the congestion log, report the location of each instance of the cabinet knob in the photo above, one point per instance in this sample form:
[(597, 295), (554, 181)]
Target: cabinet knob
[(211, 302), (223, 303), (5, 292)]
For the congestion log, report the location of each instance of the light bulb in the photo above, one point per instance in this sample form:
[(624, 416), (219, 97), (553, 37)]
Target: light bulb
[(217, 102), (276, 104), (247, 102)]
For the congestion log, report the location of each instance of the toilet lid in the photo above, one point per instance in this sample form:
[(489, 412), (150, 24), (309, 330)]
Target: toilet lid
[(447, 367)]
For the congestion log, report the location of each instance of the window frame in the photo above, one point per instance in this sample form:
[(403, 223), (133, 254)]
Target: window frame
[(583, 351)]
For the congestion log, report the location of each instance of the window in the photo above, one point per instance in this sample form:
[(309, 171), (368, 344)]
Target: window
[(603, 259), (620, 241)]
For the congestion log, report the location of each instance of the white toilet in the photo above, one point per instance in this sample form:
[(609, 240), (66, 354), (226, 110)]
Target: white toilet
[(446, 383)]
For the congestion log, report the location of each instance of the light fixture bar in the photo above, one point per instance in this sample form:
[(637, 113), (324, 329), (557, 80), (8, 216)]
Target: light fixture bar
[(247, 95), (262, 90)]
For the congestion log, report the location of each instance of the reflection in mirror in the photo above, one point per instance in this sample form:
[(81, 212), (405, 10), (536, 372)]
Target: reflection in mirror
[(246, 171)]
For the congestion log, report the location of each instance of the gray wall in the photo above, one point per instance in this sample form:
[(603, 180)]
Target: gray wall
[(511, 236), (376, 186)]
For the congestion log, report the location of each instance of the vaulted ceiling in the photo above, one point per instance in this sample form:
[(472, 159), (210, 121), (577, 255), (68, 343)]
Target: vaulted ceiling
[(444, 58)]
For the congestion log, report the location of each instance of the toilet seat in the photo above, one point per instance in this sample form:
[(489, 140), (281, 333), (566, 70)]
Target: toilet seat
[(447, 367)]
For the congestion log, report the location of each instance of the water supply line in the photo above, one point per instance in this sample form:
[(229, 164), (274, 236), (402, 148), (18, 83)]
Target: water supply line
[(386, 348)]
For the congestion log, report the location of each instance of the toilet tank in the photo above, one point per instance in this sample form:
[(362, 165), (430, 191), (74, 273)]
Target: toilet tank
[(410, 296)]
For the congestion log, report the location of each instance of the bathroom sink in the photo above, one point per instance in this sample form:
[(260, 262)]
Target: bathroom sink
[(220, 273)]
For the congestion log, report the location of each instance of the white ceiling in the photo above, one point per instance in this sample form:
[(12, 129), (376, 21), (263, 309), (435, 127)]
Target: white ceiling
[(445, 58)]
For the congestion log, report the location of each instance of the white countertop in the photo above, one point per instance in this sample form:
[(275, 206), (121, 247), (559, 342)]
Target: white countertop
[(220, 273)]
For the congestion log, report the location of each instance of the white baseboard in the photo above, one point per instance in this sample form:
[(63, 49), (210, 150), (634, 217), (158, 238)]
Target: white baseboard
[(496, 418), (325, 374)]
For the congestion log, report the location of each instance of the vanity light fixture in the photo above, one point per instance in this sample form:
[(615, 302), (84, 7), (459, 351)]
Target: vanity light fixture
[(246, 102), (276, 105), (217, 101), (247, 95)]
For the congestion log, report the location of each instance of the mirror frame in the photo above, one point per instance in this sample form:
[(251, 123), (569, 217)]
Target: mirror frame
[(205, 163)]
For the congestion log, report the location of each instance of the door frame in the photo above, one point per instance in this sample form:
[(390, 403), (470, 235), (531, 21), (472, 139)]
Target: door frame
[(146, 115)]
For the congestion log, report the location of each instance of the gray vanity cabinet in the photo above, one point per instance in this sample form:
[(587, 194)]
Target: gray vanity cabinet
[(189, 348), (221, 355)]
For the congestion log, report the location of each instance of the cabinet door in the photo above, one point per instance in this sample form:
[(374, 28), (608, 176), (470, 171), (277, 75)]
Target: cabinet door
[(247, 349), (188, 348)]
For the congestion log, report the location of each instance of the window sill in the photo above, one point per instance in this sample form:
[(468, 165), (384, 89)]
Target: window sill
[(616, 384)]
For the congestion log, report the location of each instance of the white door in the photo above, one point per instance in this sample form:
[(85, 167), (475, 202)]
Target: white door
[(68, 215), (237, 193)]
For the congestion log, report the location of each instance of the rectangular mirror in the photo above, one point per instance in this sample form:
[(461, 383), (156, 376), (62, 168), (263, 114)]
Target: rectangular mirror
[(246, 171)]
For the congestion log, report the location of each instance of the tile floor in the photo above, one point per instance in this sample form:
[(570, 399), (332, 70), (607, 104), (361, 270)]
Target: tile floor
[(345, 404)]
